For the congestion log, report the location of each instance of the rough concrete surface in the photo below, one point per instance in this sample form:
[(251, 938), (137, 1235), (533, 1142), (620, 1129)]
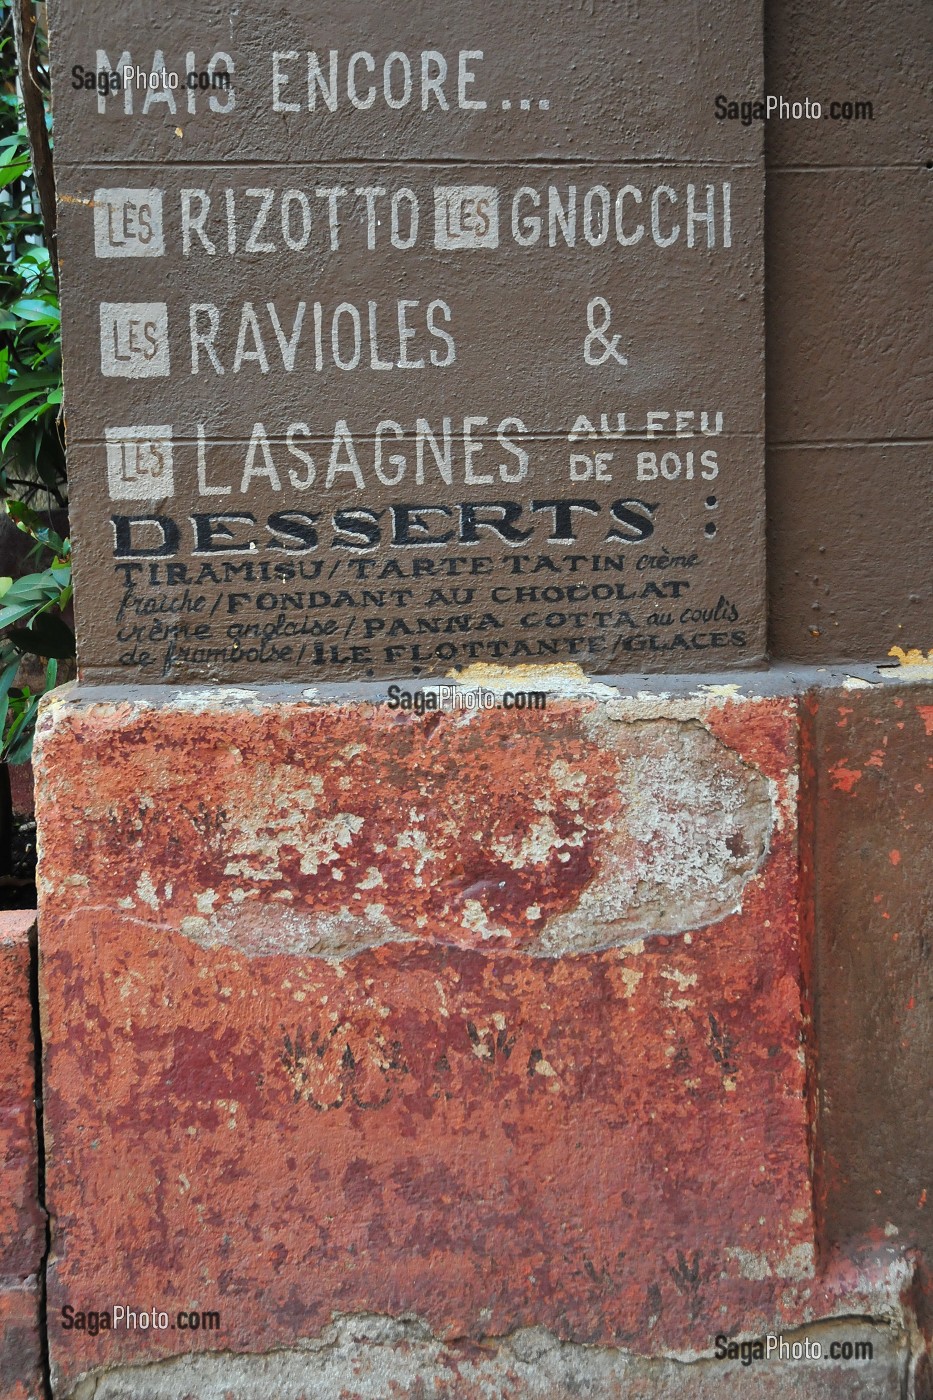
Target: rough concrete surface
[(444, 1141), (22, 1225), (325, 833), (850, 584), (873, 965), (848, 362), (374, 1359), (612, 1144)]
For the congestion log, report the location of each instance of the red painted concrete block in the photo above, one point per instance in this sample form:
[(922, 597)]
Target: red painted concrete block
[(22, 1225), (874, 965), (493, 1019)]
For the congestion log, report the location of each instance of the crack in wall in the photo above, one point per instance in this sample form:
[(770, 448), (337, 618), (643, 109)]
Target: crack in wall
[(373, 1357)]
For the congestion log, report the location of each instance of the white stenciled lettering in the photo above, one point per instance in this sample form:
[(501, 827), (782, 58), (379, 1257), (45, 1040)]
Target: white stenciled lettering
[(221, 94), (371, 193), (253, 243), (627, 239), (292, 199), (317, 83), (471, 450), (466, 78), (346, 312), (362, 79), (400, 240), (268, 221), (401, 335), (708, 217), (442, 453), (526, 228), (281, 79), (343, 443), (663, 240), (673, 466), (596, 216), (432, 83), (288, 345), (230, 207), (389, 453), (435, 309), (264, 470), (161, 82), (249, 326), (332, 194), (201, 339), (204, 487), (375, 362), (300, 483), (517, 470), (160, 91), (405, 334), (361, 101), (396, 459), (396, 71), (104, 65), (193, 221), (561, 218)]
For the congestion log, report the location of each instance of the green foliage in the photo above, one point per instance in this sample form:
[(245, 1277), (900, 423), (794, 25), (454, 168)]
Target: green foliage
[(32, 455), (32, 450), (31, 617)]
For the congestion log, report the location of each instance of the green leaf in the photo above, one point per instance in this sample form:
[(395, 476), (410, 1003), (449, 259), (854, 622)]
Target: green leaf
[(12, 148), (36, 310), (21, 423), (12, 172), (23, 516), (7, 678), (8, 616), (17, 403), (35, 259), (22, 730), (46, 635), (32, 524), (33, 379)]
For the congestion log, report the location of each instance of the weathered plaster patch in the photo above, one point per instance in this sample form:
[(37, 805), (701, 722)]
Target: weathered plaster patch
[(374, 1358), (692, 828), (591, 826)]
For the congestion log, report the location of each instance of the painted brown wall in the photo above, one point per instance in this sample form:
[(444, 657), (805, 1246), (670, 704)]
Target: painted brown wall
[(850, 504)]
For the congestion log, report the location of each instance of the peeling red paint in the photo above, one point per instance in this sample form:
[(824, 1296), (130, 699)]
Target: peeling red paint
[(373, 826), (874, 982), (844, 778), (613, 1145), (22, 1232), (600, 1144)]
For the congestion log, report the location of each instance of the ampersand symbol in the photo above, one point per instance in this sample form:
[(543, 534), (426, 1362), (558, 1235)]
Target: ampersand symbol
[(598, 335)]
